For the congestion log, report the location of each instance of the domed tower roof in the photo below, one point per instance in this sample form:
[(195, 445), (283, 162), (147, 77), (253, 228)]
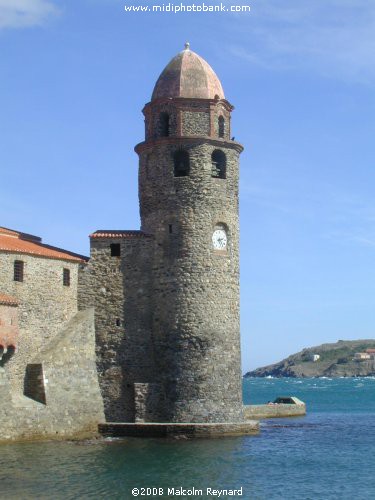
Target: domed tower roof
[(188, 75)]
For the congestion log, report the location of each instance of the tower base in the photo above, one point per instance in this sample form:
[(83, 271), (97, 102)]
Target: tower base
[(183, 430)]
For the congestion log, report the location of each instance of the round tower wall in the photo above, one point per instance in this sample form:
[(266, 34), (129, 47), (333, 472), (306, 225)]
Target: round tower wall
[(195, 288)]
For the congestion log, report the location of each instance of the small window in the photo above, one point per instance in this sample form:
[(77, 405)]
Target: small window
[(66, 277), (18, 270), (221, 126), (6, 354), (34, 387), (164, 124), (170, 228), (181, 163), (118, 322), (219, 162), (115, 249)]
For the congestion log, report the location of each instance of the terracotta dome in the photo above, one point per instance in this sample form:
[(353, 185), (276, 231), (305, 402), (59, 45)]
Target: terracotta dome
[(188, 75)]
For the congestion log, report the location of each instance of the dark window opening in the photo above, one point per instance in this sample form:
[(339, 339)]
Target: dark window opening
[(221, 126), (34, 383), (6, 353), (118, 322), (181, 163), (115, 249), (18, 270), (164, 124), (170, 228), (66, 277), (219, 163)]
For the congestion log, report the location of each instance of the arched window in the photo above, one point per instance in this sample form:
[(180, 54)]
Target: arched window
[(221, 126), (219, 164), (181, 163), (164, 124)]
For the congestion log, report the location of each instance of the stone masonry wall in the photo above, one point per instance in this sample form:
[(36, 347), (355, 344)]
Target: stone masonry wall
[(73, 404), (195, 123), (120, 290), (8, 325), (45, 305)]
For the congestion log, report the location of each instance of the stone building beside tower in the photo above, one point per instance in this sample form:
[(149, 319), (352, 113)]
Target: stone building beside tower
[(142, 338)]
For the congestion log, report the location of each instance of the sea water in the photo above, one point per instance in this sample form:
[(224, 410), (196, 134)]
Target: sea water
[(329, 454)]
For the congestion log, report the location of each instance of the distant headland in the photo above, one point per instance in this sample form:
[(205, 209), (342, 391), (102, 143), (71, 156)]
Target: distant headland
[(352, 358)]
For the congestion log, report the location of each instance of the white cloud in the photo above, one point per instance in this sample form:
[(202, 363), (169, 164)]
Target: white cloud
[(25, 13), (333, 37)]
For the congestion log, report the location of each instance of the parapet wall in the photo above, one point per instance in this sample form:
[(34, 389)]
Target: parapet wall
[(67, 401), (255, 412)]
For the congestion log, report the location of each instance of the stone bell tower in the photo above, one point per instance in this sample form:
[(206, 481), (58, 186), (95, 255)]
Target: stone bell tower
[(166, 297), (188, 191)]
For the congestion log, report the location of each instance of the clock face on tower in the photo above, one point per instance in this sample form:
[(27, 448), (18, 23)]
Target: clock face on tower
[(219, 239)]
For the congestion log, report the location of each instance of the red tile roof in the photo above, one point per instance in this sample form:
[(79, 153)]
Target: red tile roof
[(8, 300), (113, 233), (188, 75), (16, 242), (17, 234)]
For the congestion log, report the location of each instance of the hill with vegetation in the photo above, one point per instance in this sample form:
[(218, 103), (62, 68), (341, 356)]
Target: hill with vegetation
[(335, 360)]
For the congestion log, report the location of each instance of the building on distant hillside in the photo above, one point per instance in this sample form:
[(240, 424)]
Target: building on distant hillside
[(314, 357), (362, 356), (41, 283)]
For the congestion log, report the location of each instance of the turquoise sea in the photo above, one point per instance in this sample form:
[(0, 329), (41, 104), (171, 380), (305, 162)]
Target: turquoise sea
[(329, 454)]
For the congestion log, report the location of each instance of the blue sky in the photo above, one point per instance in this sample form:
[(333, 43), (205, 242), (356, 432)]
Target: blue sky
[(74, 76)]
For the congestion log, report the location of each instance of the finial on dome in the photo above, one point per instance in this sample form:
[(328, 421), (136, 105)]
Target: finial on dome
[(187, 46)]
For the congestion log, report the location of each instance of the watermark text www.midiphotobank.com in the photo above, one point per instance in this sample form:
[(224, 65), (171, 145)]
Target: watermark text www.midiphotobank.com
[(177, 8)]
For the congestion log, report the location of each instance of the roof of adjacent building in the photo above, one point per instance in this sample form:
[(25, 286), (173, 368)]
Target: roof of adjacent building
[(114, 233), (17, 242), (8, 300), (188, 75)]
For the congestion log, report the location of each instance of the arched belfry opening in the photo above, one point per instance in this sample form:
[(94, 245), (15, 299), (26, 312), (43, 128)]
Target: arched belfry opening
[(221, 126), (181, 162), (164, 124), (218, 164)]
